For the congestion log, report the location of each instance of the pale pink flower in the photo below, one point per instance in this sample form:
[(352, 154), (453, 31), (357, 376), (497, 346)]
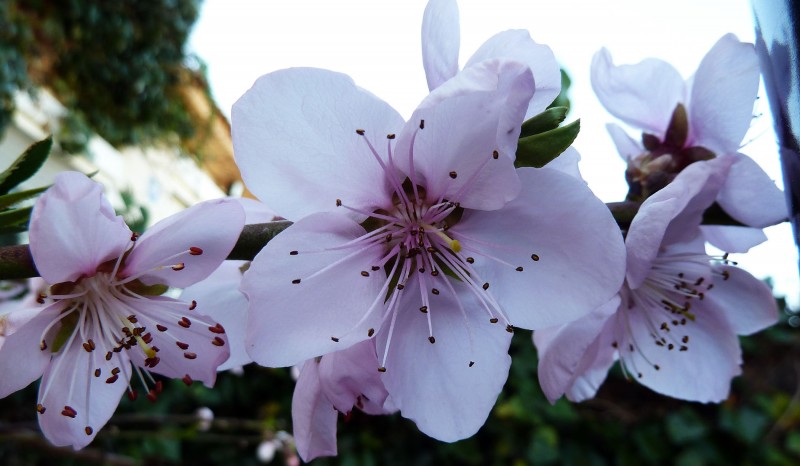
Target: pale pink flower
[(421, 235), (718, 109), (104, 321), (675, 322)]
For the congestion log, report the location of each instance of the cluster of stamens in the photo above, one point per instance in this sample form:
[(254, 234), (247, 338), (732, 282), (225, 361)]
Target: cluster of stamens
[(103, 311), (417, 244)]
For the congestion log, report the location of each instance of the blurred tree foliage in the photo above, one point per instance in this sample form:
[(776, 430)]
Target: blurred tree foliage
[(626, 424), (116, 65)]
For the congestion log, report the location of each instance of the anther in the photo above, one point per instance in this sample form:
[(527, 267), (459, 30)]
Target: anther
[(193, 305), (519, 269), (40, 298), (152, 396), (495, 154), (133, 394), (421, 124), (431, 339), (108, 356), (159, 387), (293, 253), (535, 257), (360, 132), (423, 309), (453, 175), (381, 369), (40, 409), (336, 340), (195, 251), (338, 202), (134, 236), (400, 286), (471, 363), (470, 260), (112, 379), (161, 328), (434, 273), (685, 339), (656, 367), (364, 273), (390, 136), (187, 380), (217, 341), (486, 286), (184, 322), (42, 345), (88, 430), (295, 281), (217, 329), (683, 348), (494, 320), (182, 345), (509, 329), (370, 332), (97, 372), (178, 266), (189, 355), (435, 291)]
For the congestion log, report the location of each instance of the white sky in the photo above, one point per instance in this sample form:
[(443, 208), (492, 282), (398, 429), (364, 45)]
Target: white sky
[(377, 42)]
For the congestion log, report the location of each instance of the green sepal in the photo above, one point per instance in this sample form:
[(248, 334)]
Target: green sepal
[(68, 324), (545, 121), (8, 200), (25, 165), (15, 217), (540, 149), (561, 99)]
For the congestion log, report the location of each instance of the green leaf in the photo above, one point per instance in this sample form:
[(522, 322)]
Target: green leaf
[(545, 121), (8, 200), (15, 218), (26, 165), (562, 100), (540, 149)]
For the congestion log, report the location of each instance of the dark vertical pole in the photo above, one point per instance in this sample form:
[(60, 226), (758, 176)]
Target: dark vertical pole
[(777, 47)]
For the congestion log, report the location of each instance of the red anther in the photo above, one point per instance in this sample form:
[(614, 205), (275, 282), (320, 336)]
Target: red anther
[(113, 378), (108, 356), (178, 266), (187, 380), (152, 362), (147, 337), (159, 387), (189, 355), (69, 412), (152, 396), (134, 236), (97, 372), (347, 416), (115, 371), (182, 345), (132, 319), (217, 341), (184, 322), (195, 251), (88, 430), (40, 298), (43, 345), (193, 305), (161, 328), (40, 409), (217, 329), (87, 347), (132, 395)]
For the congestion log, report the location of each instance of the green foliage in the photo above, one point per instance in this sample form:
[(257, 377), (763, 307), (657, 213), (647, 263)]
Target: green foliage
[(538, 150), (15, 219), (116, 65)]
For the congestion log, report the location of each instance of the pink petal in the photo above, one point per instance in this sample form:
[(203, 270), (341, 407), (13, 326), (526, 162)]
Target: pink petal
[(627, 147), (733, 238), (21, 359), (564, 351), (567, 163), (702, 372), (643, 95), (79, 392), (723, 92), (507, 87), (517, 45), (294, 132), (433, 384), (549, 219), (212, 226), (440, 41), (743, 300), (672, 215), (350, 378), (313, 416), (74, 229), (291, 322), (750, 196), (255, 211), (219, 298), (191, 344)]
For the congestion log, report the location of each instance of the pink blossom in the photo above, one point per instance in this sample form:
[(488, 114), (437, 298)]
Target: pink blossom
[(104, 321), (674, 323), (684, 121), (419, 235)]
